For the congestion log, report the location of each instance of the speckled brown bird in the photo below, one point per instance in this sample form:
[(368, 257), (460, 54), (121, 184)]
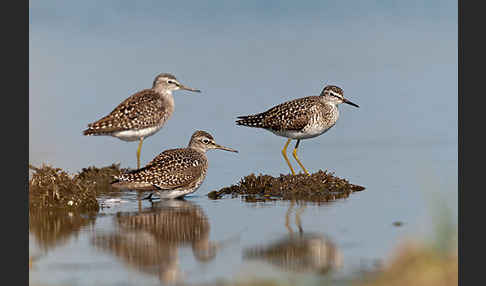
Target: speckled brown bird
[(142, 114), (300, 118), (173, 173)]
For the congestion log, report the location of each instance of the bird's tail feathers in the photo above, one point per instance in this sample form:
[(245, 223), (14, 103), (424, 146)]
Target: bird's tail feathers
[(255, 120)]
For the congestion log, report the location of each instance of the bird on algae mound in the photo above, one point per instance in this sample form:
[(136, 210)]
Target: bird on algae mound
[(53, 188), (318, 187)]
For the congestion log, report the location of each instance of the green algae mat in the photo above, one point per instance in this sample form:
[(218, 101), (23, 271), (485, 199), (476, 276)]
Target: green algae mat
[(318, 187)]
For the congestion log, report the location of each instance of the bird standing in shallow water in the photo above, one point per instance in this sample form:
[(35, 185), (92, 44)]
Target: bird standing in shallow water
[(300, 118), (142, 114), (173, 173)]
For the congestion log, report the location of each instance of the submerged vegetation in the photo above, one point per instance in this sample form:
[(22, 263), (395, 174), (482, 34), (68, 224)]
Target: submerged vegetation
[(318, 187), (53, 188)]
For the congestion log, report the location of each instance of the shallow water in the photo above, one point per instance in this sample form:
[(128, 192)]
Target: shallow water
[(201, 240), (398, 62)]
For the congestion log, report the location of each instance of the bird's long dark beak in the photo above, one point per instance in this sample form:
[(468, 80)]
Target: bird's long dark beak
[(350, 103), (217, 146), (188, 88)]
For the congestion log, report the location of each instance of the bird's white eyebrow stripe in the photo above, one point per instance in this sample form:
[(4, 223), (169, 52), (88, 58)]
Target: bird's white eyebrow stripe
[(335, 94)]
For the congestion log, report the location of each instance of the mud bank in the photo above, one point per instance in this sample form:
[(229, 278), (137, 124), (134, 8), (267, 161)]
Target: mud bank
[(318, 187)]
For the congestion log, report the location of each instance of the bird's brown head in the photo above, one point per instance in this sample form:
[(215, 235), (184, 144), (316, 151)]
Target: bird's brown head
[(335, 94), (168, 82), (203, 141)]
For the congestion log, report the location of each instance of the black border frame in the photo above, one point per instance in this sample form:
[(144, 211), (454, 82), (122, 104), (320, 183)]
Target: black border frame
[(15, 114), (470, 170)]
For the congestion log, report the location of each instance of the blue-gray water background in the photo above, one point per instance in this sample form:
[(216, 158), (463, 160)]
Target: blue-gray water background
[(396, 59)]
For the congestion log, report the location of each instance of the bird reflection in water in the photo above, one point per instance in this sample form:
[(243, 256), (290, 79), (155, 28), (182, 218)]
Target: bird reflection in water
[(298, 252), (149, 240)]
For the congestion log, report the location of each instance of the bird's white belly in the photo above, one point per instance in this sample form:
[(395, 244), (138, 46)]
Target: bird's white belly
[(172, 194), (175, 193), (135, 135), (306, 133)]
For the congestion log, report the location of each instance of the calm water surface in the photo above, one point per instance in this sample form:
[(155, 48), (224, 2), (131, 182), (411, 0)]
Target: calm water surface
[(397, 61), (200, 240)]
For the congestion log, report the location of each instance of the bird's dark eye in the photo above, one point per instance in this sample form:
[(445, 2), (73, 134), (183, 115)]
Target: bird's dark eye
[(205, 141)]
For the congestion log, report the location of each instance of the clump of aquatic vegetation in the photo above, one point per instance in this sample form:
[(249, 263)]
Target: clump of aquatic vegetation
[(54, 188), (317, 187)]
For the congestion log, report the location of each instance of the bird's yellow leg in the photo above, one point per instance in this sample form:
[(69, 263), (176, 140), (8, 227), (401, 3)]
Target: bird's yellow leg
[(297, 158), (138, 152), (284, 153)]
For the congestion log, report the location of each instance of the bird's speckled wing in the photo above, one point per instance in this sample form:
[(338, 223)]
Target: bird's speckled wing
[(141, 110), (170, 170), (290, 115)]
